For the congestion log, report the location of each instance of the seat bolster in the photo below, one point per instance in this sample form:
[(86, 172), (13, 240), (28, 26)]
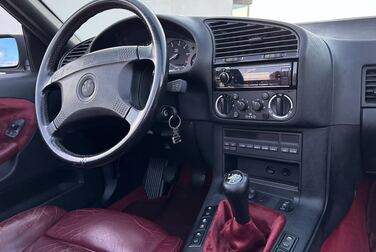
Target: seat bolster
[(45, 243), (21, 230), (112, 231)]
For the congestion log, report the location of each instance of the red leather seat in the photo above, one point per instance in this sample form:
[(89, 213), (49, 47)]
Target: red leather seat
[(52, 229)]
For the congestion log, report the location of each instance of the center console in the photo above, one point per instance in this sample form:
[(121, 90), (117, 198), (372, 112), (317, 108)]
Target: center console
[(270, 108)]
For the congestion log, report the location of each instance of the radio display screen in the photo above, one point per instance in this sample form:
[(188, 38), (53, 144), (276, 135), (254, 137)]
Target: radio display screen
[(266, 75)]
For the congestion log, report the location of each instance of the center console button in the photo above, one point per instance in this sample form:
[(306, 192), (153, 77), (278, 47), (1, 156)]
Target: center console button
[(293, 150), (285, 150), (273, 148), (287, 242), (264, 147)]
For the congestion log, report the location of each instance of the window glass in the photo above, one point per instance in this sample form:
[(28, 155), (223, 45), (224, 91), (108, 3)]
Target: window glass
[(292, 11), (9, 25), (9, 55)]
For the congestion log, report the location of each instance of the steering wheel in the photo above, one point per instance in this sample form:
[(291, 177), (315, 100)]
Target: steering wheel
[(90, 85)]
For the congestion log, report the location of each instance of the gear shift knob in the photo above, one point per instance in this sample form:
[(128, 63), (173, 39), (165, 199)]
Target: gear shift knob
[(236, 188)]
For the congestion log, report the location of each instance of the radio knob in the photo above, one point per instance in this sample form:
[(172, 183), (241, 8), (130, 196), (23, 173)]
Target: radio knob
[(257, 106), (241, 105), (225, 78)]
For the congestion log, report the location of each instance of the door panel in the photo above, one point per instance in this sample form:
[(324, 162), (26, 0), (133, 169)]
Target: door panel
[(17, 126), (30, 175)]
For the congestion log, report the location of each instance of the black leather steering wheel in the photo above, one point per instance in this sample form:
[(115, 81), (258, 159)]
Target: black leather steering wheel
[(90, 84)]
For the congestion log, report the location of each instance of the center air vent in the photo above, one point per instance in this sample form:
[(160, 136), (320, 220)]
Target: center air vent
[(369, 85), (76, 52), (247, 41)]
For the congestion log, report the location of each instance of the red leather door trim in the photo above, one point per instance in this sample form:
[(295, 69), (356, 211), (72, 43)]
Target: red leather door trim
[(12, 109)]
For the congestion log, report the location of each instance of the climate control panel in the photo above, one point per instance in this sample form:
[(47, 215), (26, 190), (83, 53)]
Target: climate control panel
[(258, 105)]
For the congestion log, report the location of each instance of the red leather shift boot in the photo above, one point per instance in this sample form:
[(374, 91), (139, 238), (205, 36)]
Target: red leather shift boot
[(259, 234)]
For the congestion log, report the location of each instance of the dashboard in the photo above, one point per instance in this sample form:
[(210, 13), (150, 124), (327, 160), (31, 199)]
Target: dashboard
[(235, 57), (263, 92)]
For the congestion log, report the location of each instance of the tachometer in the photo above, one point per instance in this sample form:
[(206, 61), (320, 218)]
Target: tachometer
[(179, 53)]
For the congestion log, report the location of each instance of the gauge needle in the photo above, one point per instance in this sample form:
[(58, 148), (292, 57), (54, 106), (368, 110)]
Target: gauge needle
[(173, 56)]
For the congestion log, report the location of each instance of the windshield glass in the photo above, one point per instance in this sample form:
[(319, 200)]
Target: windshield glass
[(292, 11)]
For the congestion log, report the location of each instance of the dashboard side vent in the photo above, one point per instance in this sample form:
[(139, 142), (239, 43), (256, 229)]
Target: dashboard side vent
[(369, 85), (76, 52), (247, 41)]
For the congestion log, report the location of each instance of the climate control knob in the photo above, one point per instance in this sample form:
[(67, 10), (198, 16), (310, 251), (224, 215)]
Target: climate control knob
[(223, 105), (241, 105), (280, 106), (257, 105), (225, 78)]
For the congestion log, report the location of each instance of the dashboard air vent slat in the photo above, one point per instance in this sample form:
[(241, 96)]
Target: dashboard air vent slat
[(76, 52), (248, 40), (370, 85)]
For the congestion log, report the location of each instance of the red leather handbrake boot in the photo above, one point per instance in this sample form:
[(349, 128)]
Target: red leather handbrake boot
[(259, 234)]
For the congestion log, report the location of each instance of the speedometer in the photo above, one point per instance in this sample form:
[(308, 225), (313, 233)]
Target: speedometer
[(179, 53)]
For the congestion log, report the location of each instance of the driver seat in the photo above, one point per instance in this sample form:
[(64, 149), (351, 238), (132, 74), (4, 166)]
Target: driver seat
[(52, 229)]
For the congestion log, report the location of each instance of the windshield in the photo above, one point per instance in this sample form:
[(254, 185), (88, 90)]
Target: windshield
[(292, 11)]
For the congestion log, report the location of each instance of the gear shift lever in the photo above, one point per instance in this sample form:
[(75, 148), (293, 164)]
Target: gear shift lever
[(236, 187)]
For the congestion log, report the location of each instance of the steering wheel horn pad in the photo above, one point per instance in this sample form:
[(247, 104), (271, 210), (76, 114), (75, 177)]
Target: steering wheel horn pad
[(90, 84)]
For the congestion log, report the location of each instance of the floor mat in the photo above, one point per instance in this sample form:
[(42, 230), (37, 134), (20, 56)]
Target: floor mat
[(175, 212), (352, 233)]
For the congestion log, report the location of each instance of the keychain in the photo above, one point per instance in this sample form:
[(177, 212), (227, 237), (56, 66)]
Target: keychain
[(174, 123)]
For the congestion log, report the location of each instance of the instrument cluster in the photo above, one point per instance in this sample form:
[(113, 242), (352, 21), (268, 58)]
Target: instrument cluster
[(181, 54)]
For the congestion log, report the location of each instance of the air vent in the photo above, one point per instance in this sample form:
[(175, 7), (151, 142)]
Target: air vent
[(369, 82), (76, 52), (247, 41)]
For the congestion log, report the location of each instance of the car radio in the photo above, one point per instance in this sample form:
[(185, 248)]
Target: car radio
[(281, 75)]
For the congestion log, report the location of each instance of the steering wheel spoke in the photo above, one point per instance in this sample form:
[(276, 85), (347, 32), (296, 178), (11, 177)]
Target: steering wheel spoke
[(55, 125), (133, 116), (46, 83), (146, 52)]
